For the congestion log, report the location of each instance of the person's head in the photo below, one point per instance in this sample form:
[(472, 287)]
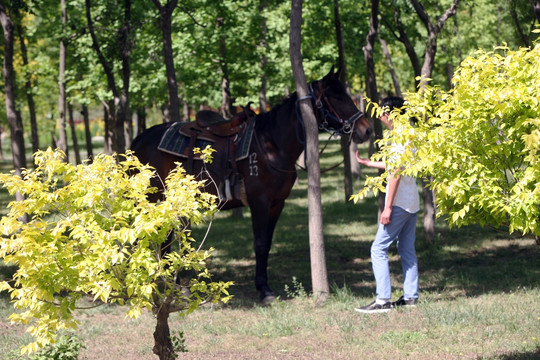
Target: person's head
[(388, 104)]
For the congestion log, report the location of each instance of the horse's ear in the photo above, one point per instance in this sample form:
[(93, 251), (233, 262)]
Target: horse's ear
[(330, 75)]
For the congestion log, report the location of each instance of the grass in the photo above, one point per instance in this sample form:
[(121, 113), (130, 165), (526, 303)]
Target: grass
[(480, 295)]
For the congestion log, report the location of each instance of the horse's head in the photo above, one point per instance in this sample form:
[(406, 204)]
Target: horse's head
[(336, 111)]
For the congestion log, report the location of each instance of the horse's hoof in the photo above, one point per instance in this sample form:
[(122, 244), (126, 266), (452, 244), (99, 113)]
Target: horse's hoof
[(267, 300)]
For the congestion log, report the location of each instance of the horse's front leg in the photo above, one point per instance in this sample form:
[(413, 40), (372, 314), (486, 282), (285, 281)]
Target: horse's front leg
[(264, 219)]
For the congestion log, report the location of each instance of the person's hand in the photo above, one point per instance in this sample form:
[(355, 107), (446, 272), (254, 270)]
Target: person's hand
[(385, 216), (362, 161)]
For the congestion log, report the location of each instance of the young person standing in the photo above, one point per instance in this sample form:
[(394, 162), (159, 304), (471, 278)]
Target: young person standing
[(397, 221)]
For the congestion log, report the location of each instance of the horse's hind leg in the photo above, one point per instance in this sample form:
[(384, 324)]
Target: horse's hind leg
[(264, 220)]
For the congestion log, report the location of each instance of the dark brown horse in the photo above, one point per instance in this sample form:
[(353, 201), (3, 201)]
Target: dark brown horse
[(268, 172)]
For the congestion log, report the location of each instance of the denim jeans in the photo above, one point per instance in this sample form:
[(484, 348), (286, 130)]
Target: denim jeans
[(403, 227)]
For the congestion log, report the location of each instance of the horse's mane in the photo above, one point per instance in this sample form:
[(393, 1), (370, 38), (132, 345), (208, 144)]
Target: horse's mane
[(268, 119)]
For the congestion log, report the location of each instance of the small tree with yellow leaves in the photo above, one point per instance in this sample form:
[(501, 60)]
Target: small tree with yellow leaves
[(91, 231)]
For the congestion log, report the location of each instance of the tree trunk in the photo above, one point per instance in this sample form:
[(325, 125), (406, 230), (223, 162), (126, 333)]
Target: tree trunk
[(162, 336), (74, 135), (124, 114), (227, 110), (345, 140), (263, 60), (87, 133), (388, 58), (319, 275), (409, 48), (117, 108), (165, 22), (427, 69), (28, 90), (15, 123), (141, 120), (536, 8), (62, 136), (371, 81)]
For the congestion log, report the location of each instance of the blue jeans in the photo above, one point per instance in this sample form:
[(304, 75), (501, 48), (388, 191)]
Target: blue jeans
[(403, 227)]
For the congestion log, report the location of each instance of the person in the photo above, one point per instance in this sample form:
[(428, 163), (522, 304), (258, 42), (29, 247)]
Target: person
[(397, 221)]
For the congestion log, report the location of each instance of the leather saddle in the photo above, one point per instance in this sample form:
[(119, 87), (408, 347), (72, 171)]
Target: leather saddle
[(225, 135)]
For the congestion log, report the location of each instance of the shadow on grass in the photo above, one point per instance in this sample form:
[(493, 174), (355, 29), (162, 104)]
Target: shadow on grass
[(535, 355), (456, 263)]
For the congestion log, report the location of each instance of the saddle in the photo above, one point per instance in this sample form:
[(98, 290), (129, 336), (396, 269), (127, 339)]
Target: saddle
[(224, 135)]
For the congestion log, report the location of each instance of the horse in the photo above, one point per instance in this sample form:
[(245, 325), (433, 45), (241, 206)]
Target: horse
[(268, 172)]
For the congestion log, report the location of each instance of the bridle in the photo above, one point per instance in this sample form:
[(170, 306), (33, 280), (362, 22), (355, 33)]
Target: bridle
[(327, 111)]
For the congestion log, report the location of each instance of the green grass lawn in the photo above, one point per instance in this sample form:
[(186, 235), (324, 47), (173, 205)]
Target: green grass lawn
[(479, 294)]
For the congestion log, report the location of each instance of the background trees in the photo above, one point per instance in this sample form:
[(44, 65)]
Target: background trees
[(163, 60)]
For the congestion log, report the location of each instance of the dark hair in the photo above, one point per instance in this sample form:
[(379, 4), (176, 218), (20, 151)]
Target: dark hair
[(392, 102)]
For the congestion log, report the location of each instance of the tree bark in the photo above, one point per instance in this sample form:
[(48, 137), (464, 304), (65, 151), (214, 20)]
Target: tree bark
[(117, 108), (536, 8), (344, 141), (141, 120), (165, 22), (14, 119), (125, 40), (227, 110), (319, 275), (263, 60), (371, 81), (28, 89), (74, 135), (162, 336), (62, 136), (87, 133), (427, 69), (392, 70)]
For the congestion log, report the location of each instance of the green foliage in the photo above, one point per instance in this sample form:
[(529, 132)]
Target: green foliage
[(67, 347), (179, 343), (296, 290), (480, 142), (93, 231)]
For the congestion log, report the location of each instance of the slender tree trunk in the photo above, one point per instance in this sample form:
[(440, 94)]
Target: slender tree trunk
[(124, 114), (87, 133), (14, 119), (1, 148), (319, 274), (28, 90), (62, 106), (141, 120), (345, 140), (185, 110), (118, 107), (107, 125), (165, 22), (536, 8), (263, 60), (371, 82), (74, 135), (227, 110), (427, 69), (388, 58)]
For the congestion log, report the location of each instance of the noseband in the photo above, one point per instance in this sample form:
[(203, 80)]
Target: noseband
[(327, 111)]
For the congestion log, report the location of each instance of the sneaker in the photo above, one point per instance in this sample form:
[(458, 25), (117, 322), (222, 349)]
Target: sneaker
[(375, 308), (404, 302)]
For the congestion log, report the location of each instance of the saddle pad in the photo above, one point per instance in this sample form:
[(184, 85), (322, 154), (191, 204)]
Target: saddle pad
[(177, 143)]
